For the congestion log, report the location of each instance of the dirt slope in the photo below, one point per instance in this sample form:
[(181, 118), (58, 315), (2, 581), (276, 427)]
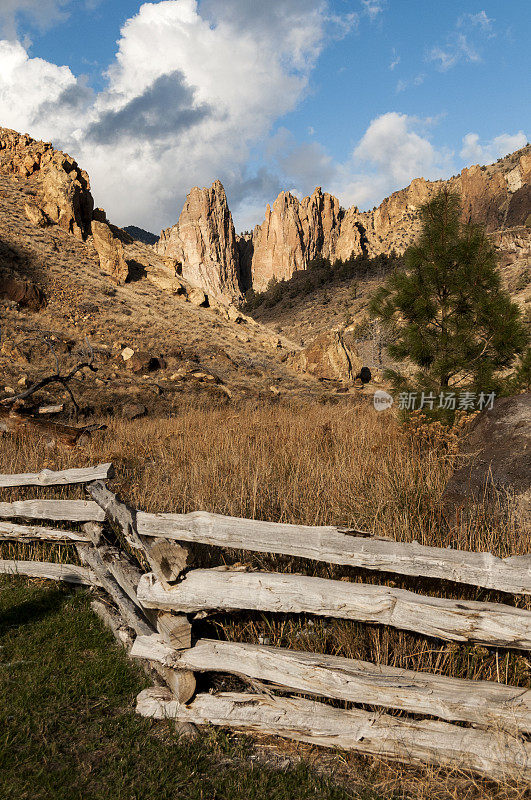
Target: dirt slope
[(243, 357)]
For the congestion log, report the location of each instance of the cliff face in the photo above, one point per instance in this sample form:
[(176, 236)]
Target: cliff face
[(62, 189), (204, 242), (294, 232)]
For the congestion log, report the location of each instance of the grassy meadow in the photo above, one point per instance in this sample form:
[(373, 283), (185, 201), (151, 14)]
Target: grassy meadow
[(301, 463)]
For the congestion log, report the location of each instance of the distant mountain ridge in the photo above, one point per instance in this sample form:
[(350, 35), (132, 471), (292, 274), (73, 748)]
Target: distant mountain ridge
[(140, 235)]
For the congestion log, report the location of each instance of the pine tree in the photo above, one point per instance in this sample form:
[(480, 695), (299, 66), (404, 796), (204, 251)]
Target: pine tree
[(445, 310)]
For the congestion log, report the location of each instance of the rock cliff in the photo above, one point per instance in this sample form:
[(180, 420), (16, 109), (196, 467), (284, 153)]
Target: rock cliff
[(62, 189), (294, 232), (204, 242)]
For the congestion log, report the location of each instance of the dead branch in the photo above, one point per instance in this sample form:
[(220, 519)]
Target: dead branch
[(56, 377)]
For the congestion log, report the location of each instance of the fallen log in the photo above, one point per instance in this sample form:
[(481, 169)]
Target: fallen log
[(483, 703), (496, 755), (12, 421), (454, 620), (341, 546)]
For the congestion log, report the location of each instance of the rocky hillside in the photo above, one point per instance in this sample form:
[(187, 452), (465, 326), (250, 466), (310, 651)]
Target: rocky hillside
[(296, 231), (69, 278)]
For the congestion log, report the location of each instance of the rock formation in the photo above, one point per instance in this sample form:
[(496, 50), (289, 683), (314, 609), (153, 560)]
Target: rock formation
[(110, 251), (294, 232), (204, 241), (332, 355), (62, 188)]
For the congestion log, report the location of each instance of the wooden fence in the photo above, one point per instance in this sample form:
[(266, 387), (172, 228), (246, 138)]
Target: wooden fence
[(480, 726)]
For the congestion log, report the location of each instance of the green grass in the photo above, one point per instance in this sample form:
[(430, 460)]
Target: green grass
[(68, 729)]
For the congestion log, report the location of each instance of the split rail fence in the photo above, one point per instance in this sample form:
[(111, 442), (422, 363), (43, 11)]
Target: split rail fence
[(481, 726)]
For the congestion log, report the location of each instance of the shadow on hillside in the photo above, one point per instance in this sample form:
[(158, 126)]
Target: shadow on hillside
[(137, 271), (18, 281)]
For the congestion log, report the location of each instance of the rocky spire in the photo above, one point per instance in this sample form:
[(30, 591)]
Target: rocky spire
[(204, 242)]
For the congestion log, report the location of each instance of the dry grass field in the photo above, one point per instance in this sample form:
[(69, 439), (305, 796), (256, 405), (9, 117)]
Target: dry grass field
[(311, 464)]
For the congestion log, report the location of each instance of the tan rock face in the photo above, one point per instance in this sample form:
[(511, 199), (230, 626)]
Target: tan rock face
[(36, 215), (204, 242), (63, 189), (497, 457), (294, 232), (110, 251), (332, 355)]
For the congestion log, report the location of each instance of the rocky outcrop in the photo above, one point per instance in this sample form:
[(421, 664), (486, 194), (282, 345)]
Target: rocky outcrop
[(294, 232), (62, 188), (110, 251), (36, 215), (332, 355), (22, 291), (204, 241), (497, 460)]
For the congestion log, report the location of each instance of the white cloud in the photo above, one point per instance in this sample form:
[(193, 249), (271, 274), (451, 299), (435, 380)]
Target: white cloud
[(473, 152), (393, 145), (38, 13), (462, 43), (190, 91), (458, 48), (25, 84), (373, 8), (393, 150), (395, 61), (479, 20)]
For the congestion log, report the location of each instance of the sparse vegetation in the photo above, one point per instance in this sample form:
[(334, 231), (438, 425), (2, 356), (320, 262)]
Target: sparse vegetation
[(321, 272)]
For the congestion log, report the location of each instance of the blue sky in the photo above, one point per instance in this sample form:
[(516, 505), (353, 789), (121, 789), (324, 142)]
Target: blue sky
[(358, 96)]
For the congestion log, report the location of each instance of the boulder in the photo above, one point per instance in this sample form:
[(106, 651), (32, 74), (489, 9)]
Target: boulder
[(21, 290), (142, 362), (133, 410), (197, 297), (36, 215), (127, 353), (110, 251), (330, 356), (498, 450)]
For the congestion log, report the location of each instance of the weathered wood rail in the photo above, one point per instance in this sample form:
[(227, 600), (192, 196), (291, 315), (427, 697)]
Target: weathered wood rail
[(152, 615)]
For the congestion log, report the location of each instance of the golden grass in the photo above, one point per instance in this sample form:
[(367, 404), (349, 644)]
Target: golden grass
[(309, 464)]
